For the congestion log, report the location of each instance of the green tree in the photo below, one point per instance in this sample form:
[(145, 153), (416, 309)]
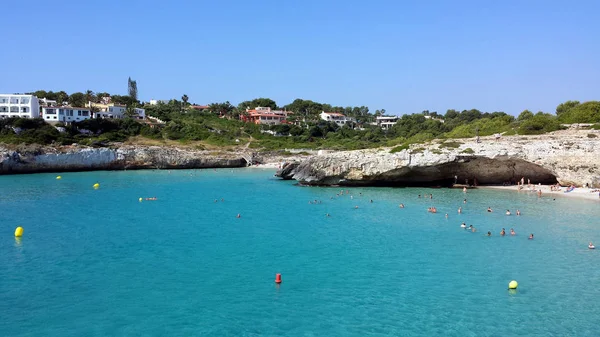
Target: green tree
[(185, 99), (525, 115), (89, 96), (132, 89), (60, 97), (77, 99), (565, 107)]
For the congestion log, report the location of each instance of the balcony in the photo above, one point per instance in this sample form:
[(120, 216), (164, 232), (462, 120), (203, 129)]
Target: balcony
[(14, 101)]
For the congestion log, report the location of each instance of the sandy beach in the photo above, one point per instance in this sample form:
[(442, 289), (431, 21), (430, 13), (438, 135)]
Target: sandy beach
[(578, 192)]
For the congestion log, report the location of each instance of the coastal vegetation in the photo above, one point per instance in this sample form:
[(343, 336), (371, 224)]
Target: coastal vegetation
[(219, 125)]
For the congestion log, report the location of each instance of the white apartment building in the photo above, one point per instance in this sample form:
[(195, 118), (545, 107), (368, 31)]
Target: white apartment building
[(65, 114), (25, 106), (337, 118)]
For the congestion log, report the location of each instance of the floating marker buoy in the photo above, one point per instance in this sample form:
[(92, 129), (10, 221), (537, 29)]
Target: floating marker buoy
[(141, 199), (96, 186), (513, 284), (278, 278), (58, 178), (19, 232)]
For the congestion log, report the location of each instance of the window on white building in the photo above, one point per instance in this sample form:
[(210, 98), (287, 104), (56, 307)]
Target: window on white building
[(25, 109), (14, 109)]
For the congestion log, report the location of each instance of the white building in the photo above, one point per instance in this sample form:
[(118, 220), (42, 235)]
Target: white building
[(65, 114), (47, 102), (25, 106), (139, 113), (441, 120), (157, 101), (337, 118), (111, 111), (386, 122)]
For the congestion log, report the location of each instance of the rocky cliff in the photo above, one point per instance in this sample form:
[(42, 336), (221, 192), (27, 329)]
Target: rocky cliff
[(567, 158), (48, 159)]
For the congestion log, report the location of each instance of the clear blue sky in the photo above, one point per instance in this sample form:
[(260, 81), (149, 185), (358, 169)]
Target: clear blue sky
[(404, 56)]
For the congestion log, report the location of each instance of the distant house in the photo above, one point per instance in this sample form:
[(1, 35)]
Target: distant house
[(157, 101), (386, 122), (47, 102), (441, 120), (65, 114), (110, 110), (264, 115), (336, 117), (139, 113), (199, 107)]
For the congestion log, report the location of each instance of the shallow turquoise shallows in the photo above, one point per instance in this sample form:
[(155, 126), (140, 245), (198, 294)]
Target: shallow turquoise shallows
[(101, 263)]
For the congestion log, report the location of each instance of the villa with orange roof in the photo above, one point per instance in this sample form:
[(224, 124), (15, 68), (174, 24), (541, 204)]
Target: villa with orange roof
[(264, 115)]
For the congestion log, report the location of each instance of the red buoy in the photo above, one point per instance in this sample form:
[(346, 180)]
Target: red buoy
[(278, 278)]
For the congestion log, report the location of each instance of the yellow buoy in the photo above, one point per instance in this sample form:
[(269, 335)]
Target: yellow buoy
[(19, 232), (58, 178), (96, 185), (513, 284), (141, 199)]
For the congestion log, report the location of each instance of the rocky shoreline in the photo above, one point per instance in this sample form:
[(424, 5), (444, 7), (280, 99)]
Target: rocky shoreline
[(36, 159), (566, 157)]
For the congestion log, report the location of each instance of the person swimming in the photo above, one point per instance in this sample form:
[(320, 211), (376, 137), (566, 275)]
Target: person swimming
[(238, 216), (459, 210), (507, 212), (489, 209), (489, 233), (531, 236), (473, 230), (446, 215), (512, 232), (518, 212), (591, 246), (502, 232), (465, 201), (401, 206), (463, 225)]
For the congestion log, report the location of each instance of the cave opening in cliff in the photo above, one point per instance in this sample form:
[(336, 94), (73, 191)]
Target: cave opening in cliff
[(474, 171)]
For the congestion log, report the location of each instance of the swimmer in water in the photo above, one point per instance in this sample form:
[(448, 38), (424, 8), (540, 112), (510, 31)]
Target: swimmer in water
[(471, 227), (502, 232), (531, 236), (507, 212), (512, 232), (518, 212), (459, 210), (465, 201), (474, 230), (446, 215), (238, 216), (327, 215), (489, 210), (463, 225), (401, 206), (489, 233), (355, 207), (419, 195), (591, 246)]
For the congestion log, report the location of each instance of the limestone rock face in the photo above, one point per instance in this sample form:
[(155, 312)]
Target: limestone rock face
[(126, 157), (542, 159)]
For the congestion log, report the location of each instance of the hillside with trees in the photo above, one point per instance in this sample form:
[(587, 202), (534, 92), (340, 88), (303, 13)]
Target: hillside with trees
[(218, 124)]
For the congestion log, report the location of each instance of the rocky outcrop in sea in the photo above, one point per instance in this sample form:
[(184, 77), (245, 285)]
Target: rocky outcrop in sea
[(572, 158)]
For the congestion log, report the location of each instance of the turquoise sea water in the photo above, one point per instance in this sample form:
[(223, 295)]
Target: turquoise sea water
[(100, 263)]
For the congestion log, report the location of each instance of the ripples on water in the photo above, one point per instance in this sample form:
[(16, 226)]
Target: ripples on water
[(100, 263)]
